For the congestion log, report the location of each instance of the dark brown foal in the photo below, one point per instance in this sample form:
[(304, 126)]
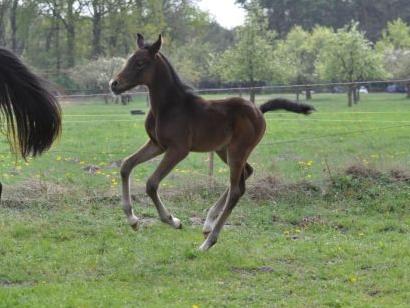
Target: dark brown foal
[(180, 122)]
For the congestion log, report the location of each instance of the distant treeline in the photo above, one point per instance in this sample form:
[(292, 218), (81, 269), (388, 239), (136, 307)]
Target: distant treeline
[(372, 15), (56, 35), (79, 44)]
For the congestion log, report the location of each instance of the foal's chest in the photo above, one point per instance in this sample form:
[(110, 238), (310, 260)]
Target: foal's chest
[(166, 129)]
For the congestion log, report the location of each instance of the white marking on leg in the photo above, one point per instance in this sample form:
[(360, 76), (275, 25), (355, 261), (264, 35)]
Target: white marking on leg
[(148, 151), (231, 200), (213, 213)]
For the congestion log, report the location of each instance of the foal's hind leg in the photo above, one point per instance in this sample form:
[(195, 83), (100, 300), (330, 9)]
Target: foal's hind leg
[(171, 159), (148, 151), (218, 206), (237, 162)]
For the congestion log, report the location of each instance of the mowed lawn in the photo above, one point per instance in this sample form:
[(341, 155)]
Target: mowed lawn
[(307, 234)]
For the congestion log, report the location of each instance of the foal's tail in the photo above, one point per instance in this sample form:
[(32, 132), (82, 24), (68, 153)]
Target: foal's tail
[(282, 103), (31, 114)]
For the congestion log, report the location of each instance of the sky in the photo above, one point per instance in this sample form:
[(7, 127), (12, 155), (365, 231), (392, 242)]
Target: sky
[(226, 12)]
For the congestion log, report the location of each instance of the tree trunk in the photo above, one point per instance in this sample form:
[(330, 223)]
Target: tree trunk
[(57, 46), (408, 90), (96, 41), (350, 96), (308, 93), (358, 94), (13, 25), (354, 92), (252, 94), (70, 46), (297, 95), (3, 10), (70, 27)]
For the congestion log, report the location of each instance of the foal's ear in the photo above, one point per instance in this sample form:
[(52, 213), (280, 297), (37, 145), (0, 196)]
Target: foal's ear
[(140, 40), (156, 46)]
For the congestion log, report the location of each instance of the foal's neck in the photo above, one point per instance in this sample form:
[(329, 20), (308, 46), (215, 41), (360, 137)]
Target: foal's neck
[(164, 91)]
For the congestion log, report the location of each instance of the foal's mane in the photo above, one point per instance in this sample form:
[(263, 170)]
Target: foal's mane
[(180, 85), (178, 82)]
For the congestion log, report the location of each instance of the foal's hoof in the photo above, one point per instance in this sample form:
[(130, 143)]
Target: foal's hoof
[(206, 245), (134, 222), (176, 223), (135, 226)]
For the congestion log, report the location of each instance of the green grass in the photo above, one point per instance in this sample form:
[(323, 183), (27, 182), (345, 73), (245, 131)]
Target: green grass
[(64, 240)]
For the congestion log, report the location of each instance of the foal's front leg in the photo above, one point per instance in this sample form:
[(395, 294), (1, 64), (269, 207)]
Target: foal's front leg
[(146, 152), (171, 158)]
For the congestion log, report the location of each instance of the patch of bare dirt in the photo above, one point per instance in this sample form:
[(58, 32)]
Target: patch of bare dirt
[(361, 171), (9, 283), (311, 220), (272, 187), (400, 175), (196, 220), (115, 164), (252, 270), (32, 189), (92, 169)]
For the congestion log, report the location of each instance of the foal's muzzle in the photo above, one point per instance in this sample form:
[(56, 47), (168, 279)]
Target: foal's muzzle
[(114, 86)]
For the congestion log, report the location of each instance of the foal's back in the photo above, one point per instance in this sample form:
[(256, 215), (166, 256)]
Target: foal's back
[(214, 123)]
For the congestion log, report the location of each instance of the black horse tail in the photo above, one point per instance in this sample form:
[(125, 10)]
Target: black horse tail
[(282, 103), (31, 114)]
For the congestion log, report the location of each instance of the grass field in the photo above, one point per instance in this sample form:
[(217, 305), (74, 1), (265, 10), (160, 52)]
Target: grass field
[(307, 234)]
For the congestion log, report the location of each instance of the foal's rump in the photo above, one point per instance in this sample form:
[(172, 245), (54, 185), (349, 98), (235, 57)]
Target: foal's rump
[(31, 113)]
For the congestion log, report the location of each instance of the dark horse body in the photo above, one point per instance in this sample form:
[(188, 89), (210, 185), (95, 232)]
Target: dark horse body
[(29, 111), (180, 122)]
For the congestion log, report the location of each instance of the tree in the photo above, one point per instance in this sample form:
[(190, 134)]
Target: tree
[(56, 35), (397, 62), (395, 36), (98, 9), (94, 75), (13, 24), (350, 57), (372, 15), (192, 60), (395, 47), (251, 58), (299, 51), (68, 12), (3, 10)]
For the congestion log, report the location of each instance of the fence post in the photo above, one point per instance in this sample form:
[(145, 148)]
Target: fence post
[(211, 169)]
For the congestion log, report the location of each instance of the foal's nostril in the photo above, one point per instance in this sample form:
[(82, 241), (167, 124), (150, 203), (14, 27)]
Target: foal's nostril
[(114, 84)]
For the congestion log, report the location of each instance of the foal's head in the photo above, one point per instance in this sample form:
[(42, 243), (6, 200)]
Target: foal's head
[(139, 68)]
